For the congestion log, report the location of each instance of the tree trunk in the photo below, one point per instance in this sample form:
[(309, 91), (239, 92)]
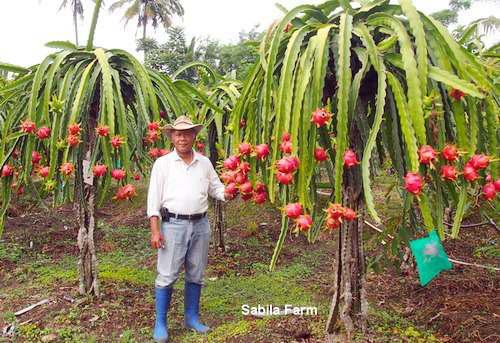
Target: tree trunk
[(85, 196), (144, 22), (6, 196), (218, 232), (87, 263), (349, 306), (75, 22)]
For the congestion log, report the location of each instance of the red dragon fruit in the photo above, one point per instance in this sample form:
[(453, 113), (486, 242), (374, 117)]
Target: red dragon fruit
[(35, 157), (470, 173), (349, 214), (118, 174), (293, 210), (73, 140), (285, 165), (231, 162), (153, 126), (479, 161), (99, 170), (321, 117), (67, 168), (284, 178), (261, 151), (245, 149), (102, 131), (426, 154), (117, 141), (74, 129), (43, 171), (286, 147), (259, 197), (450, 153), (260, 187), (332, 223), (43, 132), (244, 167), (457, 94), (320, 154), (497, 185), (350, 159), (230, 190), (335, 211), (7, 170), (304, 222), (28, 126), (448, 173), (489, 191), (246, 188), (125, 192), (413, 183)]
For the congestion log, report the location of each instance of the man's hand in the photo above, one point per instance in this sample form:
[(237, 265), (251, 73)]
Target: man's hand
[(157, 239), (228, 195)]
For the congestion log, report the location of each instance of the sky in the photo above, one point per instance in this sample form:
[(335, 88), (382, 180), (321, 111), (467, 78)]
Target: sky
[(26, 25)]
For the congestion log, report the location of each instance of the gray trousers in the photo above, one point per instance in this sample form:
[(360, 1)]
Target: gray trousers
[(186, 243)]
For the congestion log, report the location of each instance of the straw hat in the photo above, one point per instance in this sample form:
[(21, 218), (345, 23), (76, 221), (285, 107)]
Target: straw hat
[(182, 123)]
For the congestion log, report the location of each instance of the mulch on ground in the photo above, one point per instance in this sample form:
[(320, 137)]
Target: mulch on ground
[(463, 304)]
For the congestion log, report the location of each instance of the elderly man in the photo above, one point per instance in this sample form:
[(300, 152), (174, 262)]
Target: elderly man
[(178, 196)]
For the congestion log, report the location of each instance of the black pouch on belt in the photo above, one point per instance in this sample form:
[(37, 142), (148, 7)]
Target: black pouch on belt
[(164, 214)]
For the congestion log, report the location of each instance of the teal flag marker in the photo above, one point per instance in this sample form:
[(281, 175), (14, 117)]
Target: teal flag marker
[(430, 256)]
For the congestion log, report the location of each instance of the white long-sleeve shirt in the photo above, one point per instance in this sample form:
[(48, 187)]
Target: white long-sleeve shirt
[(180, 187)]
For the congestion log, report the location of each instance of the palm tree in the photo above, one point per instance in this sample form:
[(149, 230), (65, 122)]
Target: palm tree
[(150, 11), (77, 8)]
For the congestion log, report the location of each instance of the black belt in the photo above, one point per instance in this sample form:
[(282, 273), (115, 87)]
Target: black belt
[(166, 215)]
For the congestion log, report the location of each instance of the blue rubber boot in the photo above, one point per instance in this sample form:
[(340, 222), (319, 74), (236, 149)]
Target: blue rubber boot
[(192, 293), (163, 295)]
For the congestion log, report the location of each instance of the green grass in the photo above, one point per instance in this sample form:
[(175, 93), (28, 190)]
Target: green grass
[(225, 296), (120, 265), (51, 273), (135, 276), (113, 267), (127, 336), (133, 240), (489, 251), (9, 316), (122, 257), (32, 333), (391, 327), (225, 331), (10, 252)]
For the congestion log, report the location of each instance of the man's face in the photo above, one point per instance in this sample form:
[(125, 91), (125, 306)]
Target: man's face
[(183, 140)]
